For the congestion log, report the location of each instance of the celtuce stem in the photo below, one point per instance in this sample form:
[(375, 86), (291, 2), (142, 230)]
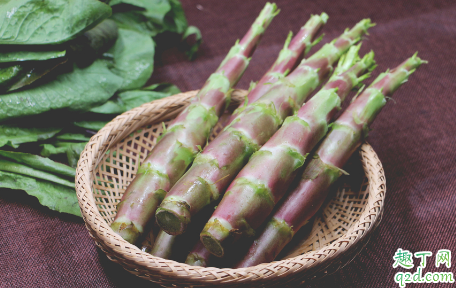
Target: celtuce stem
[(252, 196), (324, 169), (180, 143), (293, 50), (217, 165)]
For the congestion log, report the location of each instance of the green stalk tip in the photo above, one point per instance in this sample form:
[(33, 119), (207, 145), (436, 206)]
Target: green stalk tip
[(418, 60), (369, 61), (268, 12), (324, 17), (360, 28), (364, 25), (370, 64), (275, 10), (348, 59), (287, 42), (316, 20)]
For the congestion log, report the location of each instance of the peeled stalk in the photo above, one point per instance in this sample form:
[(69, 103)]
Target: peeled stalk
[(251, 197), (324, 169), (189, 131), (288, 57), (217, 165)]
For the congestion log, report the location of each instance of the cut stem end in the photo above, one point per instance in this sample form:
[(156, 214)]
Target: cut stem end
[(127, 231), (212, 245), (174, 219)]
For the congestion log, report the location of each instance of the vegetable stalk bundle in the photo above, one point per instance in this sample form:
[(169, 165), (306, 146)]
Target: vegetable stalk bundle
[(252, 196), (324, 169), (218, 164), (178, 146), (288, 57)]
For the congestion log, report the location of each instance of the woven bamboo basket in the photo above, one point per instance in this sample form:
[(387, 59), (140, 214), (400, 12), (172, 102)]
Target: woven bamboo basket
[(110, 160)]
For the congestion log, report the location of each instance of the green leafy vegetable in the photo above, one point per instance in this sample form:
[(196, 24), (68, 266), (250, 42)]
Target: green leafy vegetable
[(73, 152), (115, 106), (43, 34), (167, 88), (71, 149), (23, 55), (130, 99), (175, 20), (9, 74), (159, 7), (34, 73), (48, 21), (49, 149), (92, 43), (55, 196), (91, 125), (38, 162), (133, 62), (154, 17), (136, 21), (10, 166), (79, 90), (84, 49), (13, 136), (193, 44), (149, 19), (73, 136)]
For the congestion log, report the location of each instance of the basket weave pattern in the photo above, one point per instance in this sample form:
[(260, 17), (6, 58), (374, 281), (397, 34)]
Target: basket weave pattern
[(110, 161)]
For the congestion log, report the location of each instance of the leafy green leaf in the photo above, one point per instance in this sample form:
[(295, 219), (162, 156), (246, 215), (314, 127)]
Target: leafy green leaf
[(130, 99), (56, 197), (38, 162), (115, 106), (133, 57), (71, 149), (49, 149), (155, 10), (34, 73), (136, 21), (92, 125), (48, 21), (167, 88), (159, 7), (193, 44), (157, 17), (79, 90), (91, 44), (73, 152), (13, 136), (175, 18), (9, 74), (24, 55), (73, 136), (11, 166), (134, 99)]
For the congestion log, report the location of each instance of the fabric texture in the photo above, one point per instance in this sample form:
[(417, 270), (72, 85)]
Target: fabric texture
[(414, 137)]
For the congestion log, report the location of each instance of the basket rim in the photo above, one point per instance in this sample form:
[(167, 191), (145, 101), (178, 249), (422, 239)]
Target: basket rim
[(124, 124)]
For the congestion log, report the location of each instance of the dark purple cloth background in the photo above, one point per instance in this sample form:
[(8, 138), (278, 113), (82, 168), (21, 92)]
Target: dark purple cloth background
[(414, 137)]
